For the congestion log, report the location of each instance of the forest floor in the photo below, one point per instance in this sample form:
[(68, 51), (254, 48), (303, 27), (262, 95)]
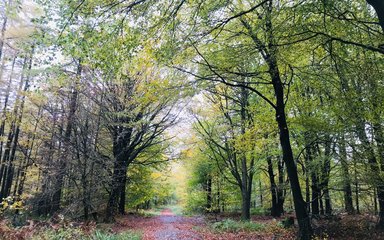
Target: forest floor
[(169, 226), (166, 226)]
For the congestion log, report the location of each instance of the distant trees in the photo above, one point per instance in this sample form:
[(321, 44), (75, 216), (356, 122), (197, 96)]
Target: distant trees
[(233, 151)]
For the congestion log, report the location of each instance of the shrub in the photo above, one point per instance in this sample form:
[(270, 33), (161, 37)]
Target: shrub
[(229, 225), (59, 234), (259, 211)]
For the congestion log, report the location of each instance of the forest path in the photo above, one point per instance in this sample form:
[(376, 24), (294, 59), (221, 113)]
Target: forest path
[(169, 226), (166, 226)]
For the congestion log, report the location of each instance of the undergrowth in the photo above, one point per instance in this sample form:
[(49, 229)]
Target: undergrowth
[(121, 236), (229, 225), (74, 233)]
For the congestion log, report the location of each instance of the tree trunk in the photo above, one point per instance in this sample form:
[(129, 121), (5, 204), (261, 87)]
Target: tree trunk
[(305, 229), (325, 176), (209, 194), (321, 205), (281, 186), (315, 195), (3, 29), (379, 138), (378, 5), (356, 187), (4, 153), (246, 169), (246, 190), (246, 205), (311, 172), (115, 194), (380, 196), (261, 196), (4, 116), (269, 54), (218, 194), (307, 191), (17, 132), (347, 180), (6, 172), (277, 199), (375, 201), (116, 200), (273, 188), (62, 162), (122, 190)]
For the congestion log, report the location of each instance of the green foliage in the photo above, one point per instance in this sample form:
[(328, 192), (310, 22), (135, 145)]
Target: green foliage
[(230, 225), (69, 233), (259, 211), (176, 209), (195, 201), (120, 236), (148, 184), (60, 234)]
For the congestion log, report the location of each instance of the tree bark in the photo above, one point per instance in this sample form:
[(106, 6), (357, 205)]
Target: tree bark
[(116, 187), (325, 176), (277, 208), (122, 190), (315, 196), (379, 137), (347, 180), (312, 172), (209, 193), (378, 5), (246, 169)]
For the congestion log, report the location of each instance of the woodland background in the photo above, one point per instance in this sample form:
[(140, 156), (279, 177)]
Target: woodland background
[(260, 107)]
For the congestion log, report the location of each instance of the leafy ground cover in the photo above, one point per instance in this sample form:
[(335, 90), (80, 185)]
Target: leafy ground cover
[(168, 223)]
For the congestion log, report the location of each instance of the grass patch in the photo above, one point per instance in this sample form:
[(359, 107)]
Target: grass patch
[(230, 225), (59, 234), (75, 233), (150, 212), (121, 236)]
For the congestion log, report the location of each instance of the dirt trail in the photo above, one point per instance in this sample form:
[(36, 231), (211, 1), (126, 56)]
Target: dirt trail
[(171, 227), (166, 226)]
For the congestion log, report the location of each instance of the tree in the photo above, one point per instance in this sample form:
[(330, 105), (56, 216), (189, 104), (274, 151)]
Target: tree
[(267, 47), (235, 151)]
